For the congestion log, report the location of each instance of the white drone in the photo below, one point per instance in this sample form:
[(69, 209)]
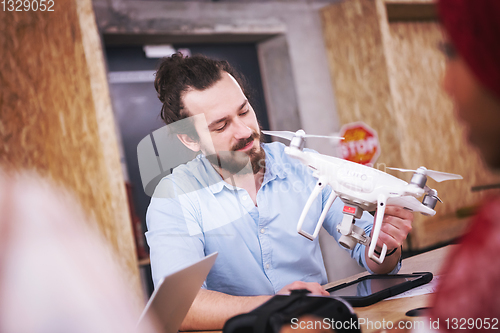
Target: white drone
[(360, 188)]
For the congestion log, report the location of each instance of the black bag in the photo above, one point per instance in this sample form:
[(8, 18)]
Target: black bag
[(333, 313)]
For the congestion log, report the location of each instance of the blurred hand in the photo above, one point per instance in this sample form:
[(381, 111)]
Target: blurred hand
[(314, 287)]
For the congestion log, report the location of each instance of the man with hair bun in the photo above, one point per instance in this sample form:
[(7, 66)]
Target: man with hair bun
[(241, 198)]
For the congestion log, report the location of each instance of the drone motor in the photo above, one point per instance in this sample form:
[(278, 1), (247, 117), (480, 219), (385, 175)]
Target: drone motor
[(299, 140), (430, 199), (419, 178)]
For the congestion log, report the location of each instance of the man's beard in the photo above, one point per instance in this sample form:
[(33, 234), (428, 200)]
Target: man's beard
[(236, 162)]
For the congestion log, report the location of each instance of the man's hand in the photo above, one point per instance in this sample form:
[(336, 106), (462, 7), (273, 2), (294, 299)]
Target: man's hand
[(396, 225), (314, 287)]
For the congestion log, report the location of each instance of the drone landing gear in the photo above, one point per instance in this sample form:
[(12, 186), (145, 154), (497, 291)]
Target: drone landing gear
[(352, 234), (317, 190), (381, 203)]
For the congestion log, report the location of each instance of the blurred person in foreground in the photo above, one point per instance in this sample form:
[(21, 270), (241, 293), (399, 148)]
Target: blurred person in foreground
[(57, 274), (468, 295), (471, 287)]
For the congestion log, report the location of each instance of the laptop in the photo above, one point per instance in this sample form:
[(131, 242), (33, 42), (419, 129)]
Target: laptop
[(174, 295)]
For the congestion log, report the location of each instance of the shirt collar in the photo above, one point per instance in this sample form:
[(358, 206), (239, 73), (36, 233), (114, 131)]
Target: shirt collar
[(274, 168), (274, 165), (214, 179)]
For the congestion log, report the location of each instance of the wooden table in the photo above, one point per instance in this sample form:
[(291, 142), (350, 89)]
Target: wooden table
[(394, 310)]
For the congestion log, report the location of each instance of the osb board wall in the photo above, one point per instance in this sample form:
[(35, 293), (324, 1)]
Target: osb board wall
[(388, 75), (359, 72), (55, 114)]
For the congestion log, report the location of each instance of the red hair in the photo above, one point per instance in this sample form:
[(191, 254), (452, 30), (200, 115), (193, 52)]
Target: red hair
[(473, 27)]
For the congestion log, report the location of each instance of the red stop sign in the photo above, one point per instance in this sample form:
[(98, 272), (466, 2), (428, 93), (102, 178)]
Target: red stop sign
[(360, 143)]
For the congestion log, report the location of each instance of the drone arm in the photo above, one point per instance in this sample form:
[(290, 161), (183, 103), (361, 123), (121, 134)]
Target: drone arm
[(381, 203), (328, 204), (317, 190)]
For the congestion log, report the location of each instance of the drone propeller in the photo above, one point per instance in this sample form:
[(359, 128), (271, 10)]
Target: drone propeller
[(290, 135), (281, 134), (436, 175)]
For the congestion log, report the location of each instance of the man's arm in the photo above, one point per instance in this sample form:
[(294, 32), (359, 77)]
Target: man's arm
[(211, 309), (396, 225)]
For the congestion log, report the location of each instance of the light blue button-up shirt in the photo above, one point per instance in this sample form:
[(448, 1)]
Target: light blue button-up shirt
[(194, 213)]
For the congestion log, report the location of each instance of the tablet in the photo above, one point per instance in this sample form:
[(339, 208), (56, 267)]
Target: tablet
[(373, 288)]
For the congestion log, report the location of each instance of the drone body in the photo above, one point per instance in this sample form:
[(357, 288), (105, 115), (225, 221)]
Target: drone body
[(360, 188)]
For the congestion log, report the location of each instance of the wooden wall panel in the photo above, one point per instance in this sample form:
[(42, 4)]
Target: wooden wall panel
[(56, 117), (359, 73), (387, 73)]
